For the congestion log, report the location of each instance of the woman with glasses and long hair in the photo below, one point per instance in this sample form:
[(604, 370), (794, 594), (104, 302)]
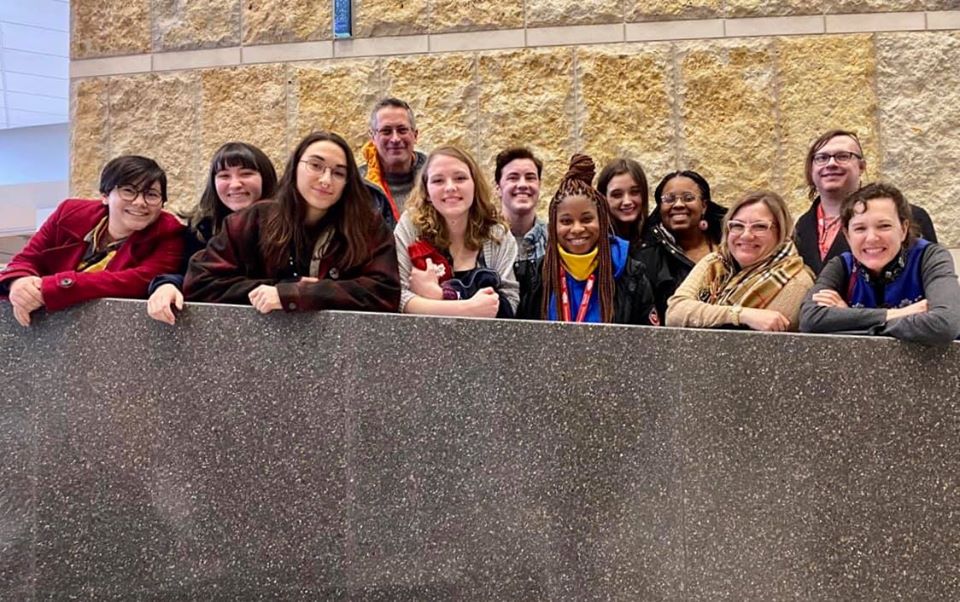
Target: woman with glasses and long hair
[(684, 227), (891, 282), (240, 174), (87, 249), (318, 244), (834, 168), (755, 279)]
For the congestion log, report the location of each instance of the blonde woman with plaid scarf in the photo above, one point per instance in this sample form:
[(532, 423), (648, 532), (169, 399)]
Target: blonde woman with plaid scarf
[(756, 280)]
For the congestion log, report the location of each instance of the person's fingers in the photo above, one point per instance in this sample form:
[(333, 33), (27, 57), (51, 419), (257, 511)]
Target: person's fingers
[(21, 315), (178, 300)]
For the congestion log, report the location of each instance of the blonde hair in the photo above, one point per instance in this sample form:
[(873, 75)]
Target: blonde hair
[(772, 201), (484, 214)]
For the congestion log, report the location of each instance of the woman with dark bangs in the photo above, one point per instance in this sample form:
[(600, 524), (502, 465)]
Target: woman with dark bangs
[(587, 274), (624, 185), (316, 245), (240, 175), (684, 227)]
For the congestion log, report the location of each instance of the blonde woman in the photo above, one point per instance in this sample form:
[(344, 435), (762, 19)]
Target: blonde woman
[(455, 253), (756, 279)]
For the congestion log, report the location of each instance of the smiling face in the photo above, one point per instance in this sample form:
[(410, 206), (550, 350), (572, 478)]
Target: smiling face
[(127, 217), (625, 198), (519, 187), (752, 234), (321, 177), (395, 139), (876, 234), (578, 225), (238, 187), (681, 205), (835, 179), (450, 187)]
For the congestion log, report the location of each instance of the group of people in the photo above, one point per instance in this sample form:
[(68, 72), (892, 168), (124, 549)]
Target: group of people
[(404, 231)]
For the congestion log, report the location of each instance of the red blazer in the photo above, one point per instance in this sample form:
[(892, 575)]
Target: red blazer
[(55, 250)]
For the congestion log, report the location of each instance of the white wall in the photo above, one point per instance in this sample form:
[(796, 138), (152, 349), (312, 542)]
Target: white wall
[(34, 173)]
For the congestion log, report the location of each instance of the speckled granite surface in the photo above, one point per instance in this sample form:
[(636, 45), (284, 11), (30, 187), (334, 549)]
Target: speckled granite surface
[(357, 457)]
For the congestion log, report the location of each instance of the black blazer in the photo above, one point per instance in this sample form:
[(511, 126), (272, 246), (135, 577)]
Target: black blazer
[(806, 238)]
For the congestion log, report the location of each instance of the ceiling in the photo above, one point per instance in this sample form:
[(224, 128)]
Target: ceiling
[(34, 62)]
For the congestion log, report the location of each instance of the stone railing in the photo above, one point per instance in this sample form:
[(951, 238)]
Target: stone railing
[(349, 456)]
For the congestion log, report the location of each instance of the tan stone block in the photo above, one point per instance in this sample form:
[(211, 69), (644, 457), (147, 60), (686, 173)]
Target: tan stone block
[(919, 98), (770, 8), (627, 96), (279, 21), (545, 13), (728, 117), (157, 115), (248, 104), (179, 25), (456, 15), (658, 10), (109, 27), (825, 82), (442, 90), (389, 17), (527, 97), (874, 6), (89, 143), (335, 95)]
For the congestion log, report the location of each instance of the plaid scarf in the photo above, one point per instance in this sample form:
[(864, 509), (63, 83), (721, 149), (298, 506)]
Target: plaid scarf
[(755, 286)]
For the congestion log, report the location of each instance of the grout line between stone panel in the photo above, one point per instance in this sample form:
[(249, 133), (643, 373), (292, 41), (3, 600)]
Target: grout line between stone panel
[(877, 122), (674, 106), (778, 176), (578, 146), (411, 47)]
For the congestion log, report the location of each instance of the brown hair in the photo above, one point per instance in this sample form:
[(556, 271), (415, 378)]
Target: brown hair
[(284, 230), (817, 145), (233, 154), (627, 166), (577, 182), (505, 157), (781, 216), (856, 203), (483, 216)]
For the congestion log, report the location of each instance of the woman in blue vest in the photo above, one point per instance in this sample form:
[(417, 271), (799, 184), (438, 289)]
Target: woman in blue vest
[(891, 282)]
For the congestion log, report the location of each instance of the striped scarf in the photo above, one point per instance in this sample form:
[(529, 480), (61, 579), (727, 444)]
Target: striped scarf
[(755, 286)]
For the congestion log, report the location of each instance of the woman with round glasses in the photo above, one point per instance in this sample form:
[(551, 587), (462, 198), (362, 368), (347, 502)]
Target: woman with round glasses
[(755, 280), (89, 249), (240, 174), (890, 282), (318, 244), (684, 227), (834, 169)]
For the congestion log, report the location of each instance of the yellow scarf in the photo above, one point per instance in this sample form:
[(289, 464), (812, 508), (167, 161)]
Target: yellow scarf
[(579, 266), (96, 259), (375, 174)]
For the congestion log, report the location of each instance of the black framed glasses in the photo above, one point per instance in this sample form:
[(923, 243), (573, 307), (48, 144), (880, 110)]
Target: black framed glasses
[(842, 158), (129, 193)]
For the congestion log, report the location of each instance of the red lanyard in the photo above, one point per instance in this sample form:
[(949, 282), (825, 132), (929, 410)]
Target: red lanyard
[(827, 230), (565, 297)]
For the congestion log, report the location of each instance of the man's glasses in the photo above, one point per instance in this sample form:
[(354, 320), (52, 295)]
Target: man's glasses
[(842, 158)]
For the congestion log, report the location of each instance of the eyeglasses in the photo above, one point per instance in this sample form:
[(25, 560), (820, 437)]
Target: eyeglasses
[(387, 132), (672, 199), (318, 168), (756, 228), (130, 193), (843, 157)]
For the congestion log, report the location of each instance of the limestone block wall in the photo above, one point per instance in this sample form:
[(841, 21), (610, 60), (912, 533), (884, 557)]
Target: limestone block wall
[(735, 89)]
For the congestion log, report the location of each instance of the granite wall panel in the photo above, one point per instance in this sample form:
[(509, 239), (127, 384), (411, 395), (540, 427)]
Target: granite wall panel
[(918, 114), (89, 135), (515, 111), (453, 15), (824, 83), (374, 18), (335, 95), (664, 10), (109, 27), (627, 98), (280, 21), (294, 468), (179, 25), (729, 130), (175, 101), (552, 13)]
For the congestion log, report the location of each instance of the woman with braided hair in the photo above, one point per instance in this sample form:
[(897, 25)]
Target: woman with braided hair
[(587, 274)]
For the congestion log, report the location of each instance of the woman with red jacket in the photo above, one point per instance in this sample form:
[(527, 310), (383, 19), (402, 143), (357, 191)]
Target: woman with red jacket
[(89, 249), (318, 244)]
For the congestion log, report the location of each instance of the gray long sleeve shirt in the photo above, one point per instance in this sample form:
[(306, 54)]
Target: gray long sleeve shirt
[(939, 325)]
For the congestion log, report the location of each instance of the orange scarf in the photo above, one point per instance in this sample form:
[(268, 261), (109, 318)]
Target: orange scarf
[(375, 174)]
